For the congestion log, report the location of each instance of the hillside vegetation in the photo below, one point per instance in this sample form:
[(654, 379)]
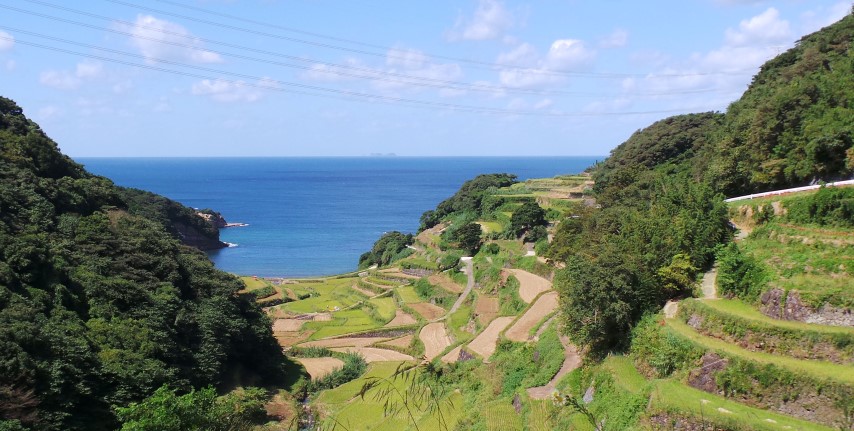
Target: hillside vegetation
[(100, 304)]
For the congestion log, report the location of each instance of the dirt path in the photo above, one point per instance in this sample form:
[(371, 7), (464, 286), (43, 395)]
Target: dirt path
[(319, 367), (520, 331), (435, 338), (373, 354), (401, 318), (670, 309), (469, 285), (571, 362), (345, 342), (484, 344), (709, 283), (530, 285)]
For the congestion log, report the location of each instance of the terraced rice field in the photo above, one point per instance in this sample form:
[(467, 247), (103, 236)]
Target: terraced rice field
[(375, 354), (521, 330), (428, 310), (319, 367), (530, 285), (435, 338), (485, 343)]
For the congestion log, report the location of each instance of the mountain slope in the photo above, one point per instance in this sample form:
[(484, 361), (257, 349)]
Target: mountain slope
[(99, 304)]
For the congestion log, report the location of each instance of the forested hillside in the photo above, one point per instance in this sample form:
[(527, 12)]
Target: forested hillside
[(791, 127), (100, 304)]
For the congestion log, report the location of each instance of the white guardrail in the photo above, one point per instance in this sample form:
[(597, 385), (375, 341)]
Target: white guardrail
[(796, 189)]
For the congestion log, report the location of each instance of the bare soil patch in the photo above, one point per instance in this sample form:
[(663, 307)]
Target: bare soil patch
[(522, 328), (486, 308), (402, 342), (445, 282), (484, 344), (452, 356), (373, 354), (287, 339), (401, 318), (428, 310), (287, 325), (530, 285), (319, 367), (435, 338), (346, 342)]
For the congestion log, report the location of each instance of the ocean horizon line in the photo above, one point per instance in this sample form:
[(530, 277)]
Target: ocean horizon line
[(339, 157)]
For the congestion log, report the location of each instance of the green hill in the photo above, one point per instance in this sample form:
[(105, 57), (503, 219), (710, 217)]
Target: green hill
[(100, 304)]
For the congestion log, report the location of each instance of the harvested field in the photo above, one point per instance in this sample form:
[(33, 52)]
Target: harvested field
[(373, 354), (287, 339), (401, 318), (435, 339), (365, 292), (521, 329), (345, 342), (428, 310), (452, 356), (394, 273), (402, 342), (288, 325), (530, 285), (445, 282), (486, 308), (484, 344), (319, 367)]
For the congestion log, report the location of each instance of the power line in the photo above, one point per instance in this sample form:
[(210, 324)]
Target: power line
[(372, 74), (272, 85), (489, 65)]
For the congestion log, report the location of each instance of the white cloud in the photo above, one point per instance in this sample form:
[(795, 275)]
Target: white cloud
[(222, 90), (533, 70), (617, 39), (763, 29), (405, 57), (150, 33), (524, 55), (7, 41), (568, 54), (490, 21), (59, 79), (10, 65), (89, 70), (65, 80)]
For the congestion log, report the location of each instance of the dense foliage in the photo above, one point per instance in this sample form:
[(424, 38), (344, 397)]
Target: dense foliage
[(792, 126), (390, 247), (200, 410), (662, 215), (630, 257), (526, 217), (468, 238), (829, 206), (469, 198), (99, 304)]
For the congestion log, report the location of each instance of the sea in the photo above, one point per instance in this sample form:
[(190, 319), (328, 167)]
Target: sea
[(314, 216)]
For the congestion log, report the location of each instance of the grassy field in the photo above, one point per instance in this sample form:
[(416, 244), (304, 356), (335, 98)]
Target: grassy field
[(408, 295), (253, 283), (818, 369), (329, 294), (342, 405), (803, 260), (674, 397), (490, 226), (458, 320), (501, 416), (625, 374), (385, 307)]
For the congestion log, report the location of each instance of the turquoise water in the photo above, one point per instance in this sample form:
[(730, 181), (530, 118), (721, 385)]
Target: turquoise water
[(314, 216)]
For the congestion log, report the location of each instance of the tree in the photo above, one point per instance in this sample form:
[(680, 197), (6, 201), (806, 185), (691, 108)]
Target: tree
[(468, 237), (527, 216)]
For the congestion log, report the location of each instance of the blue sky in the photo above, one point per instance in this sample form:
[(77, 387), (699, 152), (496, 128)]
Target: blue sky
[(414, 78)]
